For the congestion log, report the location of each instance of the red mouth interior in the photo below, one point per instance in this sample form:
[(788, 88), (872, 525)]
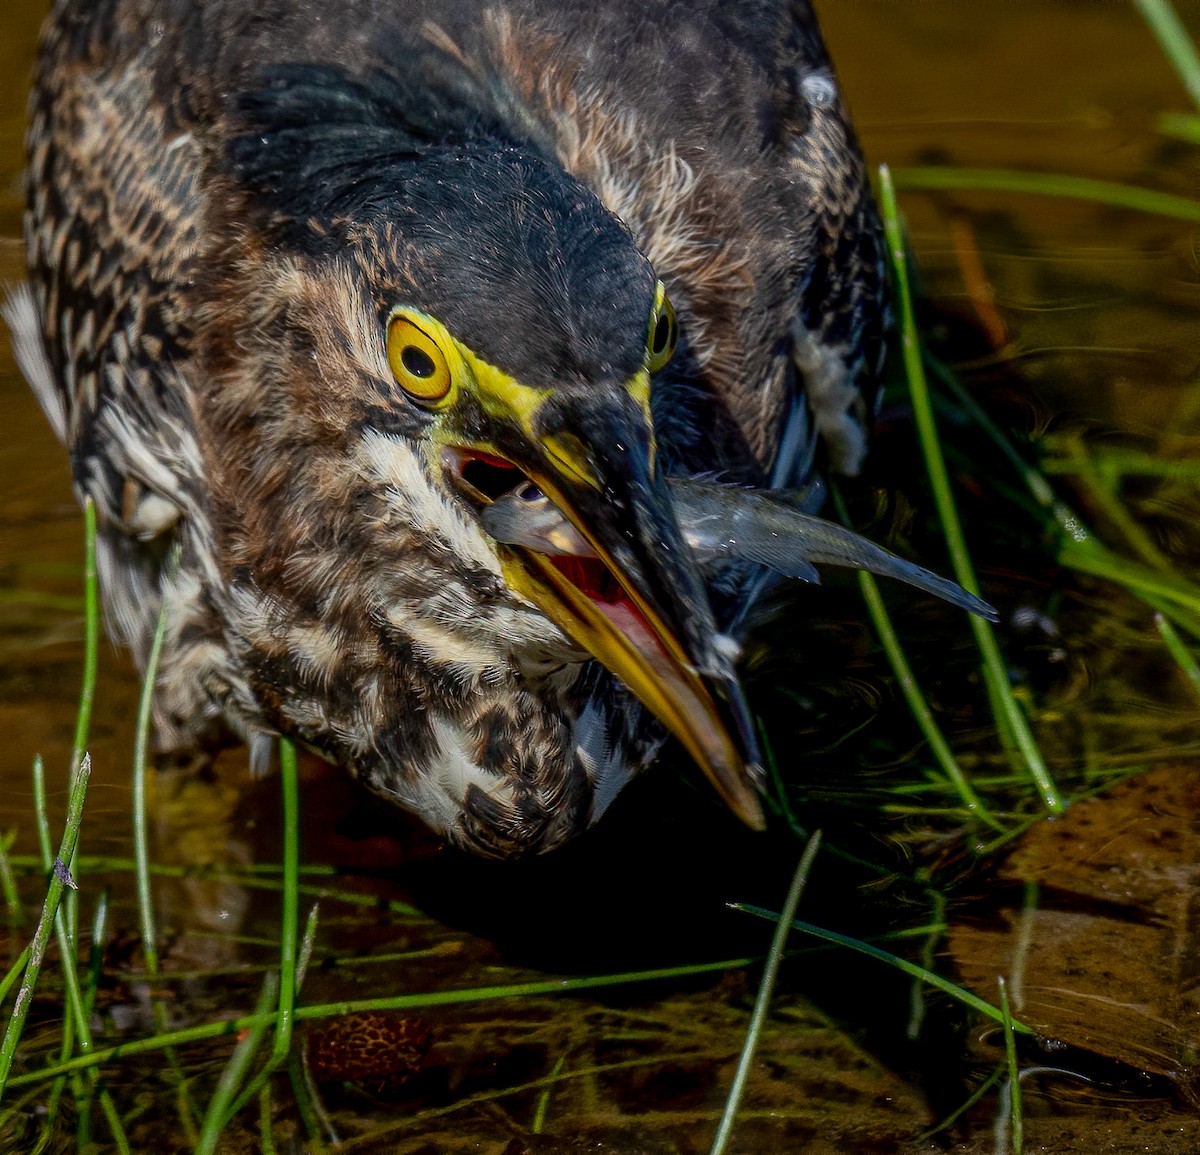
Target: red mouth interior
[(591, 577)]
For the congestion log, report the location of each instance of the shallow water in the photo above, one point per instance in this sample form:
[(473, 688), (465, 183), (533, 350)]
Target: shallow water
[(1079, 331)]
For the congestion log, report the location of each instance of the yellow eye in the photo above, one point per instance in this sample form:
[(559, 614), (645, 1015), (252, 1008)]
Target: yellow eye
[(664, 332), (417, 361)]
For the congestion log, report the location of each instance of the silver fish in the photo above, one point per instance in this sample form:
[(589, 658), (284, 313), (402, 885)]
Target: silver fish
[(527, 517), (723, 522)]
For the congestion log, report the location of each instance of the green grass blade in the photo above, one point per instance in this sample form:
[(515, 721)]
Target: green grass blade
[(263, 1078), (8, 883), (1174, 41), (915, 699), (266, 1137), (68, 604), (765, 988), (909, 968), (1015, 1118), (995, 674), (1039, 488), (1090, 557), (77, 1012), (14, 972), (87, 689), (588, 1074), (1123, 196), (41, 816), (252, 876), (91, 637), (41, 937), (1116, 464), (228, 1099), (1079, 549), (141, 838), (781, 794), (224, 1027), (95, 968), (66, 945), (1179, 652), (1101, 490), (964, 1107), (312, 1114), (143, 871), (291, 899), (1181, 125), (1174, 613), (96, 954), (543, 1104), (933, 935), (234, 1072), (64, 868)]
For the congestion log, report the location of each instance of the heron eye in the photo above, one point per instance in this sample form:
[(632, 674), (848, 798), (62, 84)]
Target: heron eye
[(664, 332), (417, 361)]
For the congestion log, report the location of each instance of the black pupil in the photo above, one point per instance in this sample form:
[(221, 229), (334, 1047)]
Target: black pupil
[(662, 332), (417, 361)]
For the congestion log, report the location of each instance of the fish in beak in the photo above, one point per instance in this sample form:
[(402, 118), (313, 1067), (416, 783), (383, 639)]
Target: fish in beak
[(633, 597), (729, 523), (668, 650)]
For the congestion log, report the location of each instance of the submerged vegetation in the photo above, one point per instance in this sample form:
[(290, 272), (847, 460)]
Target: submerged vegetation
[(920, 784)]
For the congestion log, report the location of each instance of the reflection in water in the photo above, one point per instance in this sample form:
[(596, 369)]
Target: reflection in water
[(1087, 317)]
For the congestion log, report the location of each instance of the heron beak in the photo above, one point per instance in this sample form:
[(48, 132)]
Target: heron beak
[(638, 604)]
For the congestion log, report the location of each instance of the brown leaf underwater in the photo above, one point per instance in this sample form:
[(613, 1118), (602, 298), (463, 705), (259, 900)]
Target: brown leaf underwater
[(1105, 956)]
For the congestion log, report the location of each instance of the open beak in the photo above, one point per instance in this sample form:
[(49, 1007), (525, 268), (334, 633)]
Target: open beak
[(638, 604)]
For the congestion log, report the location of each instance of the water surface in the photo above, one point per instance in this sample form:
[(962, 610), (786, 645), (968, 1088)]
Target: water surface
[(1076, 325)]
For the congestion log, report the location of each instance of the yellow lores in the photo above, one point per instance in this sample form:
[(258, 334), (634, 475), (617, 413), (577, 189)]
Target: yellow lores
[(432, 367), (429, 365)]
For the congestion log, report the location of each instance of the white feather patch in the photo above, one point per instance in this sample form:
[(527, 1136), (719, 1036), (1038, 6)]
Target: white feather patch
[(832, 396), (439, 794), (468, 656), (20, 311), (607, 770), (418, 502)]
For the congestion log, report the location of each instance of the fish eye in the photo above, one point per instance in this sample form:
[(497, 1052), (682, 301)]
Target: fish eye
[(417, 361), (664, 332)]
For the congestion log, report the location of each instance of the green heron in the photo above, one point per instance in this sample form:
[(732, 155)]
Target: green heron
[(312, 287)]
